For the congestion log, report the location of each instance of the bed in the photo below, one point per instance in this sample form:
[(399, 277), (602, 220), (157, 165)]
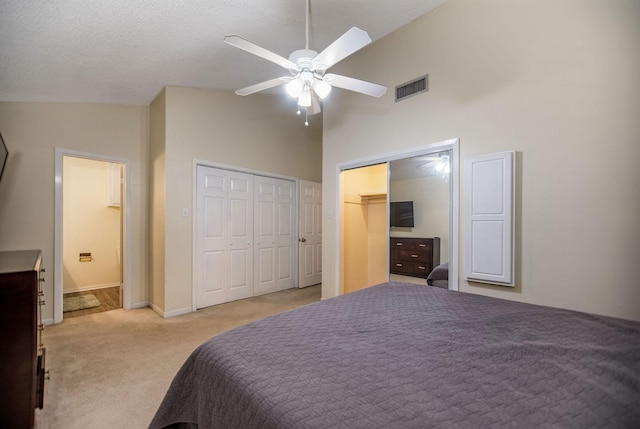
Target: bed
[(402, 355), (439, 277)]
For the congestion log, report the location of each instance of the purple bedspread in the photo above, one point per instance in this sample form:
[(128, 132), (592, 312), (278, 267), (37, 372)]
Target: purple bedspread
[(410, 356)]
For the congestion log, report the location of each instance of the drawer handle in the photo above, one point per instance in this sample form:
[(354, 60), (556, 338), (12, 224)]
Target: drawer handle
[(42, 302), (398, 265), (421, 268), (398, 244), (422, 245), (414, 256)]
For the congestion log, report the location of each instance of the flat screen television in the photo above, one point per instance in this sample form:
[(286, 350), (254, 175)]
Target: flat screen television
[(401, 214), (4, 154)]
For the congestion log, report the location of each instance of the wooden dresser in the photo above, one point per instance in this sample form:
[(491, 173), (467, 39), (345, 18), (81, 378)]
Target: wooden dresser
[(414, 257), (22, 371)]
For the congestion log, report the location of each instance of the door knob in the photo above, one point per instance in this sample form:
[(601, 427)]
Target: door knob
[(303, 240)]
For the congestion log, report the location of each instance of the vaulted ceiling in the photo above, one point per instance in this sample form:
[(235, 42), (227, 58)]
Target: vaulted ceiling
[(126, 51)]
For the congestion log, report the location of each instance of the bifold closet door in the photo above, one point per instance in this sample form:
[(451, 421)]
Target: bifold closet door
[(273, 230), (224, 236)]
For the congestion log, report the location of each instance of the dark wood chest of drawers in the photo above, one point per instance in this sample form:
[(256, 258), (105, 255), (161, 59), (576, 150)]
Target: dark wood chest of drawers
[(414, 257), (22, 370)]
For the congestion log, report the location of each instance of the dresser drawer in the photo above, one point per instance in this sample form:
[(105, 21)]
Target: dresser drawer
[(401, 267), (402, 243), (413, 256)]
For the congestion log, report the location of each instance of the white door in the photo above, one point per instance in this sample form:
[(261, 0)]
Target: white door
[(310, 265), (489, 216), (224, 236), (274, 234)]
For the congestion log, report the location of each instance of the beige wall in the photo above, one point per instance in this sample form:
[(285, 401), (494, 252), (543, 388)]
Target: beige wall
[(260, 132), (556, 81), (32, 131), (91, 225)]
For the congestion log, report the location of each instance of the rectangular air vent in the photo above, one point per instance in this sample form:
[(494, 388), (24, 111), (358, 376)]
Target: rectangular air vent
[(411, 88)]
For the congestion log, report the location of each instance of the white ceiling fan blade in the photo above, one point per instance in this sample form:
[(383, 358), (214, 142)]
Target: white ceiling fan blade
[(263, 85), (426, 165), (427, 158), (351, 41), (254, 49), (357, 85)]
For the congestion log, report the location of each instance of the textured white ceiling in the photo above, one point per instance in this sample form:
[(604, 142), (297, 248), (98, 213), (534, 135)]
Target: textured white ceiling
[(125, 51)]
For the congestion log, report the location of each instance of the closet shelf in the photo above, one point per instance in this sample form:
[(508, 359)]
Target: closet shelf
[(369, 197)]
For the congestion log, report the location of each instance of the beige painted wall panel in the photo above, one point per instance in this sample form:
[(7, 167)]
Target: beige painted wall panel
[(377, 231), (556, 81), (356, 255), (260, 132), (32, 131)]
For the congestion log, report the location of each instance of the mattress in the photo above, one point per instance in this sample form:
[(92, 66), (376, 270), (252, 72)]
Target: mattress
[(400, 355)]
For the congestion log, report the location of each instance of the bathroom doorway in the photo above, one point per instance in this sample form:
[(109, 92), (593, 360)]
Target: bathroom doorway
[(90, 235)]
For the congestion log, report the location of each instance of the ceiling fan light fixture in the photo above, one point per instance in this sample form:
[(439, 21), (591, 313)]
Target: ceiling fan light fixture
[(305, 97), (321, 88), (294, 88)]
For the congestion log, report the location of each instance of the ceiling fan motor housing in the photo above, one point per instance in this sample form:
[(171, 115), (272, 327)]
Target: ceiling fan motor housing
[(303, 58)]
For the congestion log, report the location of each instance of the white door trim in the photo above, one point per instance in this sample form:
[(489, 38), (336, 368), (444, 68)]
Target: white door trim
[(194, 201), (454, 209), (58, 217)]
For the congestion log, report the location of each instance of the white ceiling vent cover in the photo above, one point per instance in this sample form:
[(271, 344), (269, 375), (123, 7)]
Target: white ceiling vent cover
[(411, 88)]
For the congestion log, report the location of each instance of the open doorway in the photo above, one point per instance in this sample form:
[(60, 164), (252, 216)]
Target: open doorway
[(90, 225), (92, 236)]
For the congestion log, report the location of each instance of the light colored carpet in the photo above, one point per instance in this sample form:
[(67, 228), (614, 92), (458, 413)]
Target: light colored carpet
[(74, 303), (112, 369)]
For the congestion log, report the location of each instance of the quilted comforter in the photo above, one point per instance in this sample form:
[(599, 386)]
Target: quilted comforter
[(408, 356)]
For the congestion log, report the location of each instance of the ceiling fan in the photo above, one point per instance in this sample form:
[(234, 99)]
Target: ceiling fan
[(309, 81), (439, 161)]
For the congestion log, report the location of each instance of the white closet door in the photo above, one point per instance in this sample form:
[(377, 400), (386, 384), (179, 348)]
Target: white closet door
[(274, 203), (224, 236), (489, 218), (240, 232), (310, 258), (285, 234)]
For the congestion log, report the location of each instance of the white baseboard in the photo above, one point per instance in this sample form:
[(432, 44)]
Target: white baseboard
[(92, 287), (48, 321), (167, 314), (142, 304)]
